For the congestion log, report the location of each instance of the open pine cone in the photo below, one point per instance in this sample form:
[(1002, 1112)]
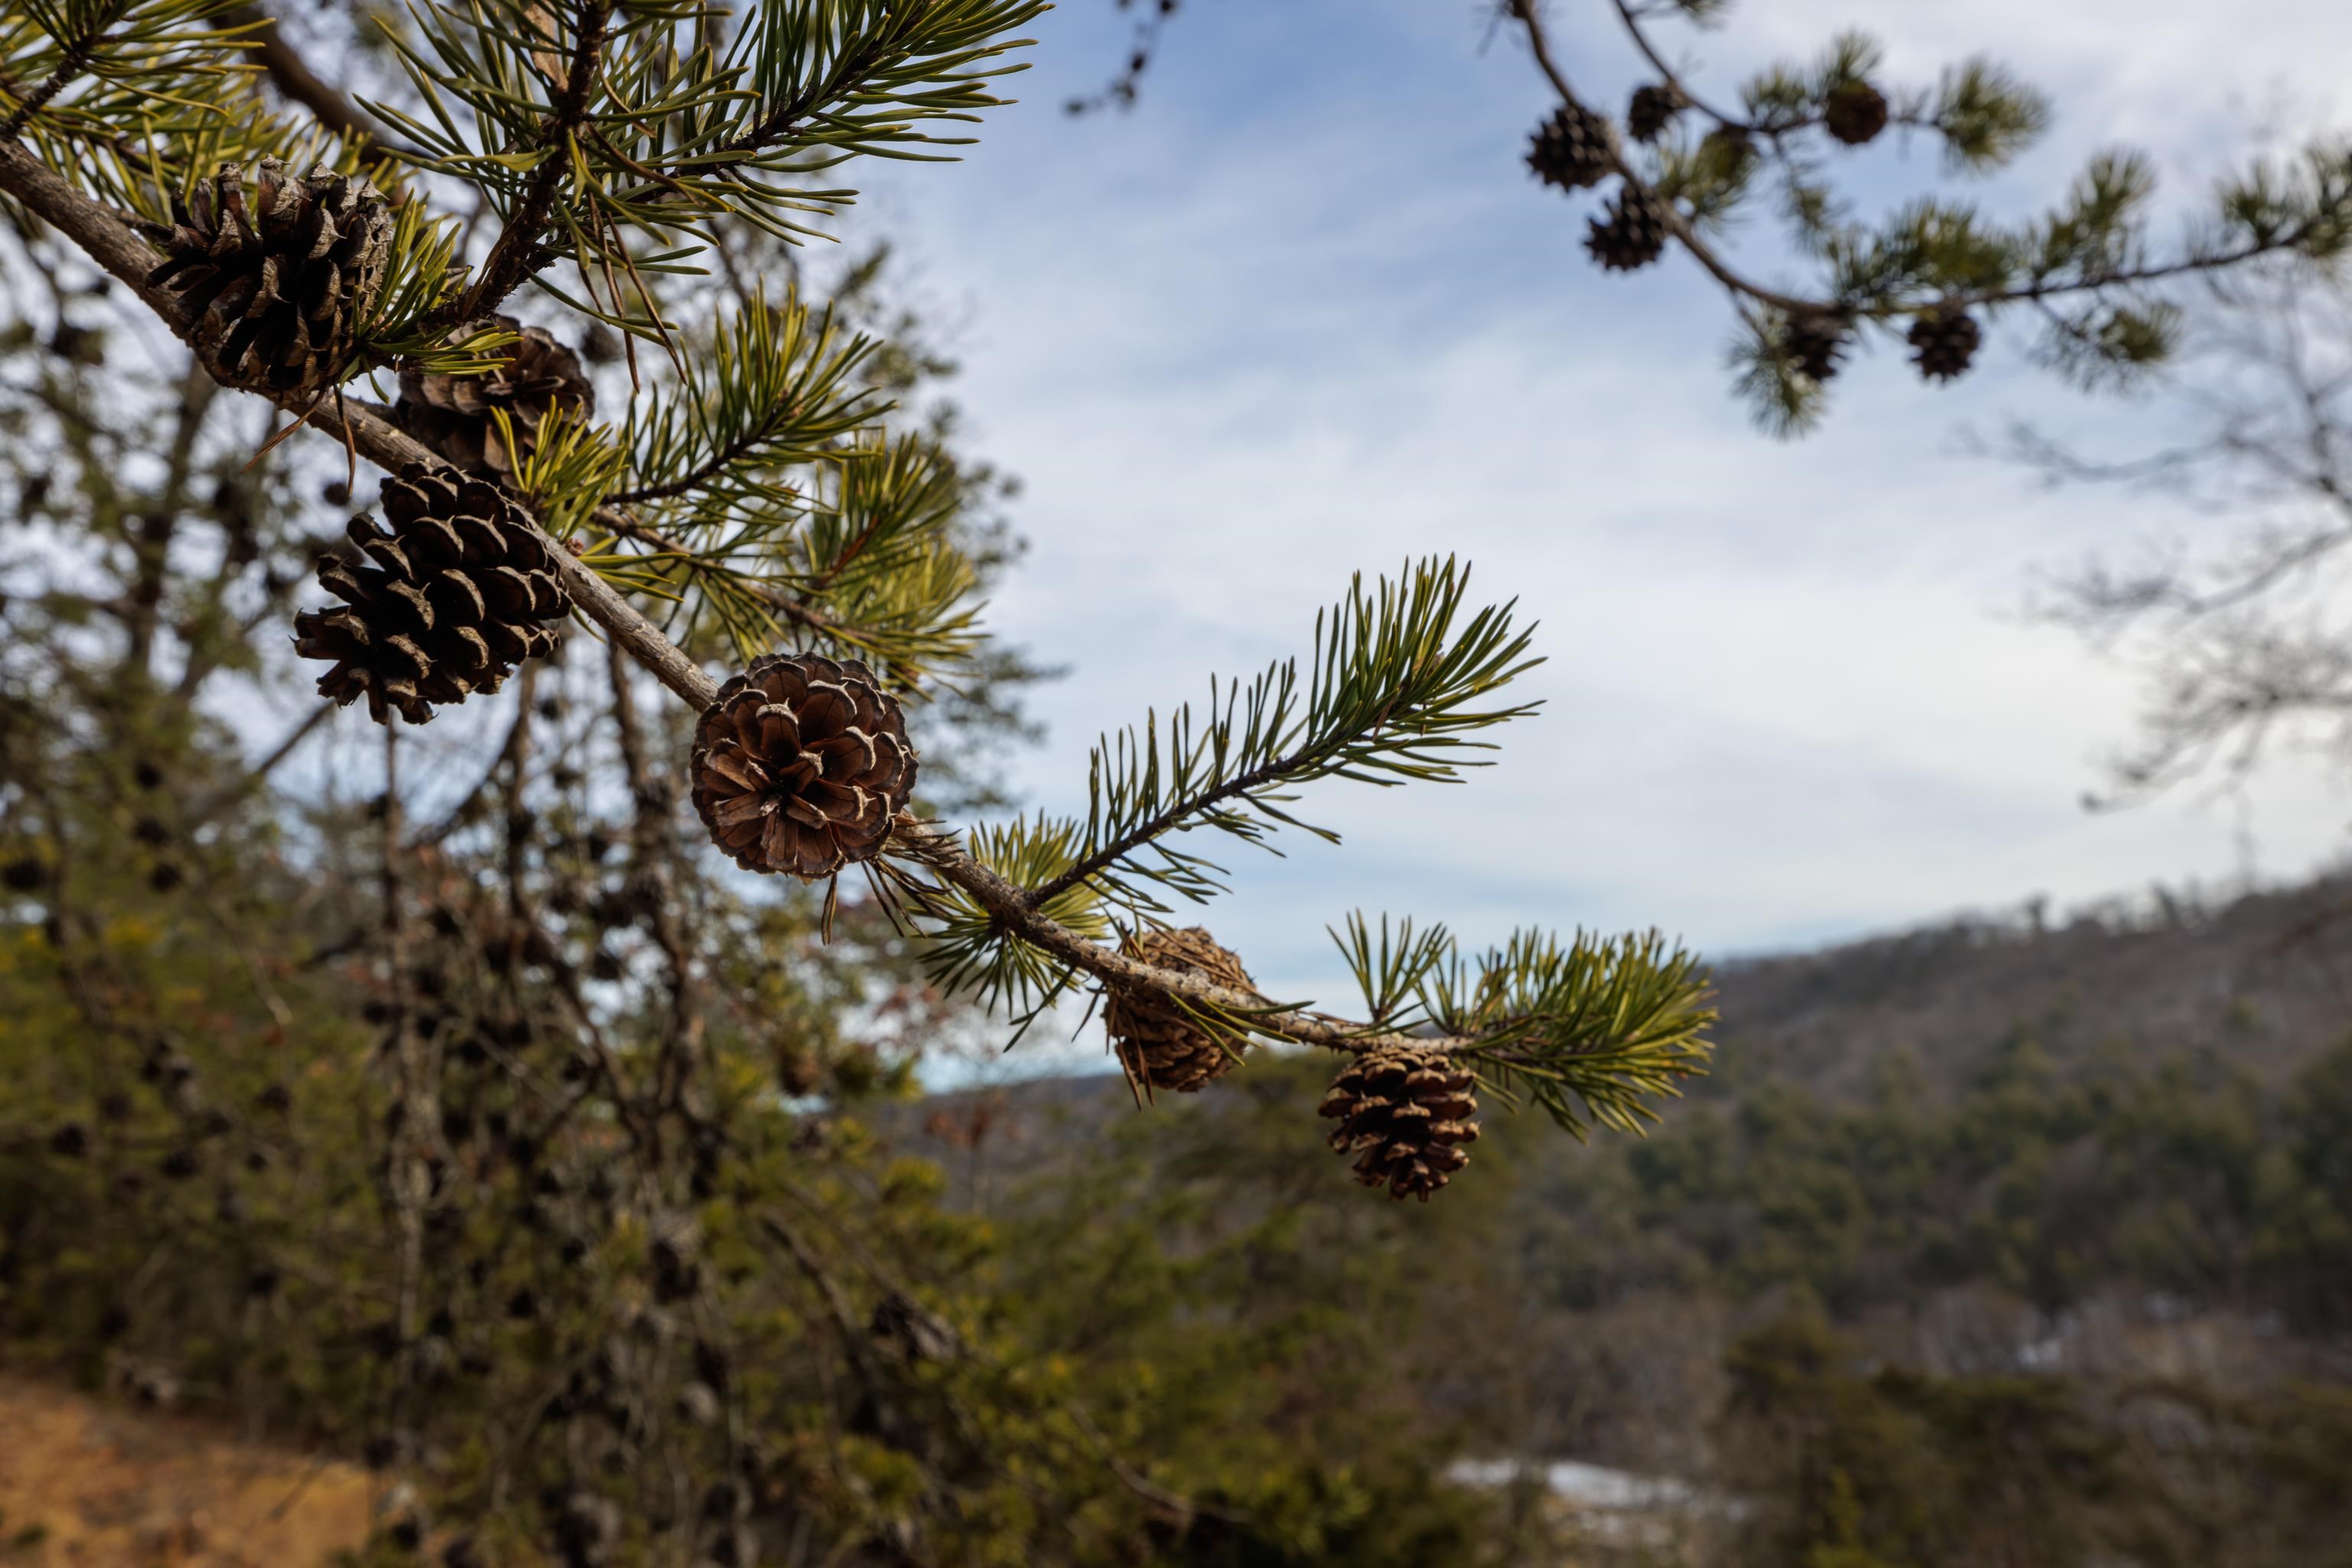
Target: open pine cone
[(448, 601), (453, 414), (1404, 1111), (1650, 109), (799, 765), (1158, 1045), (276, 274)]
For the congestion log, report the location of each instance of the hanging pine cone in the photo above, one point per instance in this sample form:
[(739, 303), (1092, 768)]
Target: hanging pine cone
[(1158, 1046), (453, 414), (1404, 1111), (1651, 110), (1815, 343), (1854, 113), (799, 765), (1944, 342), (1633, 234), (1570, 150), (447, 603), (276, 274)]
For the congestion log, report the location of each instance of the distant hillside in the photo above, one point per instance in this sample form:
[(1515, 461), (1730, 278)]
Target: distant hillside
[(2269, 975), (2266, 978)]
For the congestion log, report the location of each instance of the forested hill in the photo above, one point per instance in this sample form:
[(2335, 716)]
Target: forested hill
[(2152, 1101), (2267, 976)]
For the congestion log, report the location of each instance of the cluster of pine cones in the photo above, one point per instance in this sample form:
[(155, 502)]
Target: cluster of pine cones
[(277, 278), (1576, 150), (802, 764), (1404, 1111)]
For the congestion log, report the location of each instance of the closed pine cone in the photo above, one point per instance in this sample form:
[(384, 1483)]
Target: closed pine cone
[(1159, 1045), (799, 765), (1650, 109), (1570, 150), (1944, 343), (1854, 113), (1632, 236), (1404, 1111), (1816, 342), (276, 274), (447, 603), (454, 414)]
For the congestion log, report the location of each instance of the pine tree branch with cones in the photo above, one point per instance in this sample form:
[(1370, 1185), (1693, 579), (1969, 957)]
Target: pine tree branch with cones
[(762, 452), (2088, 266)]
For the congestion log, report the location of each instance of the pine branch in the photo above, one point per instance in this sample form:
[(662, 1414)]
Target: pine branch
[(514, 255), (97, 65), (774, 386), (1977, 116), (1606, 1024), (69, 68), (787, 117), (1385, 703)]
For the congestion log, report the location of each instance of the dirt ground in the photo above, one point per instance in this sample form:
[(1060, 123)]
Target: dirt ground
[(93, 1485)]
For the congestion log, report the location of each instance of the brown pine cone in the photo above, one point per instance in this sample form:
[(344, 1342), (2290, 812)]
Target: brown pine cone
[(1854, 113), (447, 603), (1632, 236), (1570, 150), (1815, 343), (799, 765), (1944, 343), (1652, 109), (453, 414), (276, 274), (1159, 1045), (1404, 1111)]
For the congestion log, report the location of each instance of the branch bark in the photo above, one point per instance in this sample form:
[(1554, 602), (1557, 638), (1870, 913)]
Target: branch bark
[(513, 256)]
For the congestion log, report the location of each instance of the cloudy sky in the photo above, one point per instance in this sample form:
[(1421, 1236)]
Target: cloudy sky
[(1303, 312)]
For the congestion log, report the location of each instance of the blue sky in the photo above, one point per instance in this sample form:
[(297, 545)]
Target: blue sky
[(1304, 312)]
